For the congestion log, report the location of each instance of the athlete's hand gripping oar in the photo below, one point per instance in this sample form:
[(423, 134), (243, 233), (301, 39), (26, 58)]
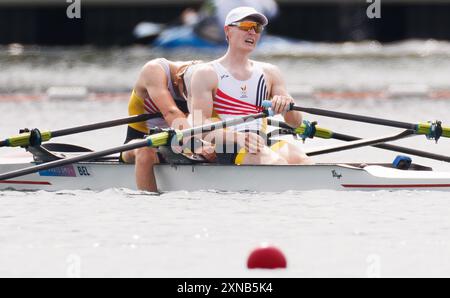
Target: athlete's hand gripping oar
[(431, 130), (35, 137), (308, 130), (155, 140)]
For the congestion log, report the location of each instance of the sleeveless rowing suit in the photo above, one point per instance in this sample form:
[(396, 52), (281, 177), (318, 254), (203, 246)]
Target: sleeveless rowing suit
[(138, 105), (234, 98)]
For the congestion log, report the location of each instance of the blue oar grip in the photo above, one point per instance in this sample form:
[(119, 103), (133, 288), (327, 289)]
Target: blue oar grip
[(267, 104)]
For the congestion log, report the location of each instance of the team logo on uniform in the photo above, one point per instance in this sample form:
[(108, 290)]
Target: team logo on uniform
[(244, 91)]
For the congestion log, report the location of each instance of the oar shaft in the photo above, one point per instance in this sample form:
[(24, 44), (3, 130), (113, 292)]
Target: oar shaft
[(359, 143), (101, 125), (395, 148), (357, 118)]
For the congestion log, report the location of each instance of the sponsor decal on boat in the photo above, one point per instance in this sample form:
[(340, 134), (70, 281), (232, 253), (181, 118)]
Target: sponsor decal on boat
[(65, 171), (336, 174)]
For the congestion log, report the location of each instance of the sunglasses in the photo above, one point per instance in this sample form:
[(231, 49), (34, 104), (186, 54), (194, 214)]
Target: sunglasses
[(248, 25)]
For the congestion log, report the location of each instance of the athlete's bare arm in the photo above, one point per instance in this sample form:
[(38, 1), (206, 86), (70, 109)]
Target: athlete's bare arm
[(203, 84), (154, 81), (280, 96)]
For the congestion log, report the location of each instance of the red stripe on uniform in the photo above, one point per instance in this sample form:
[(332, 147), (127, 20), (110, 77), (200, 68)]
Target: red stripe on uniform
[(151, 104), (226, 96), (221, 105), (150, 107), (233, 104)]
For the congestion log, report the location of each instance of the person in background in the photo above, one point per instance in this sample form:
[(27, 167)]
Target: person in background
[(208, 23)]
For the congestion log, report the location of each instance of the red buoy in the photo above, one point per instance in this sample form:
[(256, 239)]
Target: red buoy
[(267, 257)]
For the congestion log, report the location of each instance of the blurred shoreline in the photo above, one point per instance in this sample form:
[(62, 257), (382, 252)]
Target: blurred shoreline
[(107, 23)]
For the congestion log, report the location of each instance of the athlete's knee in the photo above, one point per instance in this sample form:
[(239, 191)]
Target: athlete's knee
[(273, 158), (128, 156), (146, 156), (294, 155)]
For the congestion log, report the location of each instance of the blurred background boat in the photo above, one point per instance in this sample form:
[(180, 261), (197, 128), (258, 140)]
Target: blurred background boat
[(112, 22)]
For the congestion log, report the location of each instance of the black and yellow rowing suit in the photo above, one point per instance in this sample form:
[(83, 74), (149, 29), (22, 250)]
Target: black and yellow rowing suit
[(138, 105)]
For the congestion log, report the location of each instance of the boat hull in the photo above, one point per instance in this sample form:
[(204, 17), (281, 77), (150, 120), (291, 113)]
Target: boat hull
[(264, 178), (259, 178)]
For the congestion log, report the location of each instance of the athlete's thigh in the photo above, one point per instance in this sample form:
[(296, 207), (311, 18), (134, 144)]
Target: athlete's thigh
[(291, 153), (265, 157)]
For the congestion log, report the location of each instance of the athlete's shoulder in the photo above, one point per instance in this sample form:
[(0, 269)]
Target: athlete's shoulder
[(152, 74), (271, 71), (153, 65), (205, 68), (205, 73), (266, 67)]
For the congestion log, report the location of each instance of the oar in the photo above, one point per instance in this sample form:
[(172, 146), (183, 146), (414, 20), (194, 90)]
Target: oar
[(156, 140), (328, 134), (431, 130), (25, 139), (359, 143), (396, 148)]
